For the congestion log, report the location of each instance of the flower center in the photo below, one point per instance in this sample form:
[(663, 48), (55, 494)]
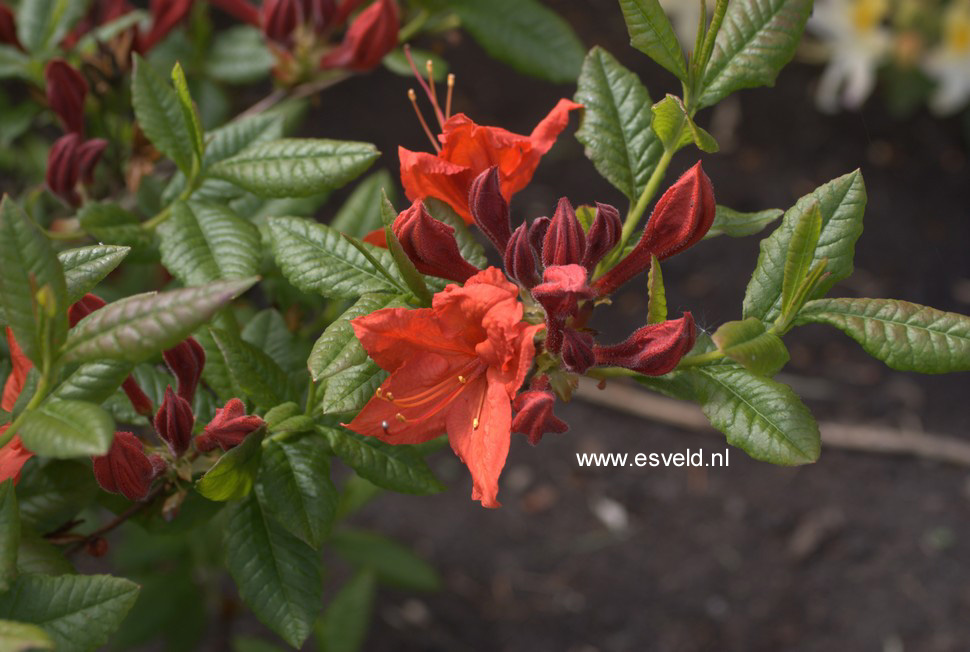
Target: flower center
[(440, 394), (432, 93), (866, 14)]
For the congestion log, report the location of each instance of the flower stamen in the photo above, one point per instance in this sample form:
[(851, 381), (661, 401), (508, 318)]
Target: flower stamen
[(424, 86), (424, 125), (451, 89)]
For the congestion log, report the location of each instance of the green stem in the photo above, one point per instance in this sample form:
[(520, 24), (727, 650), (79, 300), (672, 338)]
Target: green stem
[(611, 372), (311, 398), (413, 27), (700, 359), (636, 213)]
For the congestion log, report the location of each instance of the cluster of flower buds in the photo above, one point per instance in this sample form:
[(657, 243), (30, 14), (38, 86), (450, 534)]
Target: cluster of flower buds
[(71, 159), (555, 261)]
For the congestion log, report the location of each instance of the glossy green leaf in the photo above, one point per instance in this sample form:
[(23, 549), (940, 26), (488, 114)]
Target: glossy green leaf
[(23, 637), (9, 535), (85, 267), (79, 612), (41, 24), (159, 113), (523, 34), (761, 416), (361, 213), (657, 294), (294, 485), (675, 128), (66, 428), (291, 167), (801, 255), (233, 476), (393, 563), (277, 574), (615, 128), (651, 33), (748, 342), (317, 259), (239, 56), (252, 370), (343, 626), (94, 382), (906, 336), (842, 203), (189, 112), (756, 40), (13, 64), (203, 242), (140, 326), (268, 332), (27, 264), (52, 493), (112, 224), (736, 224), (398, 468)]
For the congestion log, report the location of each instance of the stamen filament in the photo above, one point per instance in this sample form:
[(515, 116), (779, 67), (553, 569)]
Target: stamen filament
[(424, 85), (429, 65), (451, 88), (424, 125), (481, 406)]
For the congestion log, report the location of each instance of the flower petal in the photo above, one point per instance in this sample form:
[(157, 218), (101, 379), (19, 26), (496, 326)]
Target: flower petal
[(18, 376), (13, 456), (426, 175), (393, 336)]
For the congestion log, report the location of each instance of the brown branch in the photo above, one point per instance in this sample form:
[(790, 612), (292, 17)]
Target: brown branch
[(133, 510)]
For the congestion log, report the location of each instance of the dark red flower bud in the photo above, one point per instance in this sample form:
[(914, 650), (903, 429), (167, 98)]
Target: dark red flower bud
[(88, 155), (562, 287), (8, 28), (680, 219), (565, 240), (139, 400), (344, 9), (603, 235), (228, 428), (166, 15), (652, 350), (280, 18), (372, 35), (431, 245), (125, 470), (62, 168), (97, 547), (520, 258), (537, 233), (534, 416), (319, 14), (240, 9), (489, 208), (84, 307), (186, 360), (174, 421), (66, 90), (577, 351)]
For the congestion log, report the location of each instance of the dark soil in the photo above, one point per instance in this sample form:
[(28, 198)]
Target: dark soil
[(857, 552)]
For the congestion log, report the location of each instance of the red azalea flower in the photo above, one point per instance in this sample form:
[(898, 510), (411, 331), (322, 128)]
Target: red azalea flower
[(468, 149), (13, 456), (455, 368)]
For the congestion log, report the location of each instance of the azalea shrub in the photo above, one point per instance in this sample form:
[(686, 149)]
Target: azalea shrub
[(200, 376)]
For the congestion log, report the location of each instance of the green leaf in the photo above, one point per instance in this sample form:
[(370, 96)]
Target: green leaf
[(36, 555), (189, 113), (292, 167), (65, 428), (78, 612), (232, 477), (405, 267), (615, 127), (294, 485), (317, 259), (277, 574), (110, 223), (759, 350), (906, 336), (737, 224), (21, 637), (159, 113), (94, 382), (675, 128), (657, 301), (85, 267), (393, 563), (239, 56), (252, 370), (651, 33), (27, 264), (9, 535), (52, 493), (757, 39), (761, 416), (268, 332), (43, 23), (841, 202), (343, 626), (137, 327), (203, 242), (13, 64), (397, 62), (361, 213), (523, 34), (398, 468), (338, 349), (800, 257)]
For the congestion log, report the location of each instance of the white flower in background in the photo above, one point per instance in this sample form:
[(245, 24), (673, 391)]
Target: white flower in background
[(684, 15), (949, 63), (857, 42)]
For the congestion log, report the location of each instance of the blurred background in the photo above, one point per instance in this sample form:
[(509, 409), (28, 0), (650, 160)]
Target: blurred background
[(861, 551)]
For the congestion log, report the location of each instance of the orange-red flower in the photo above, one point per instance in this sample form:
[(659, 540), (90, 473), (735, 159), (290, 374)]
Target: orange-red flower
[(468, 149), (455, 368), (13, 456)]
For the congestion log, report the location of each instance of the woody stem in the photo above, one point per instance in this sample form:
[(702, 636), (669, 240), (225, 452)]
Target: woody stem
[(118, 520)]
